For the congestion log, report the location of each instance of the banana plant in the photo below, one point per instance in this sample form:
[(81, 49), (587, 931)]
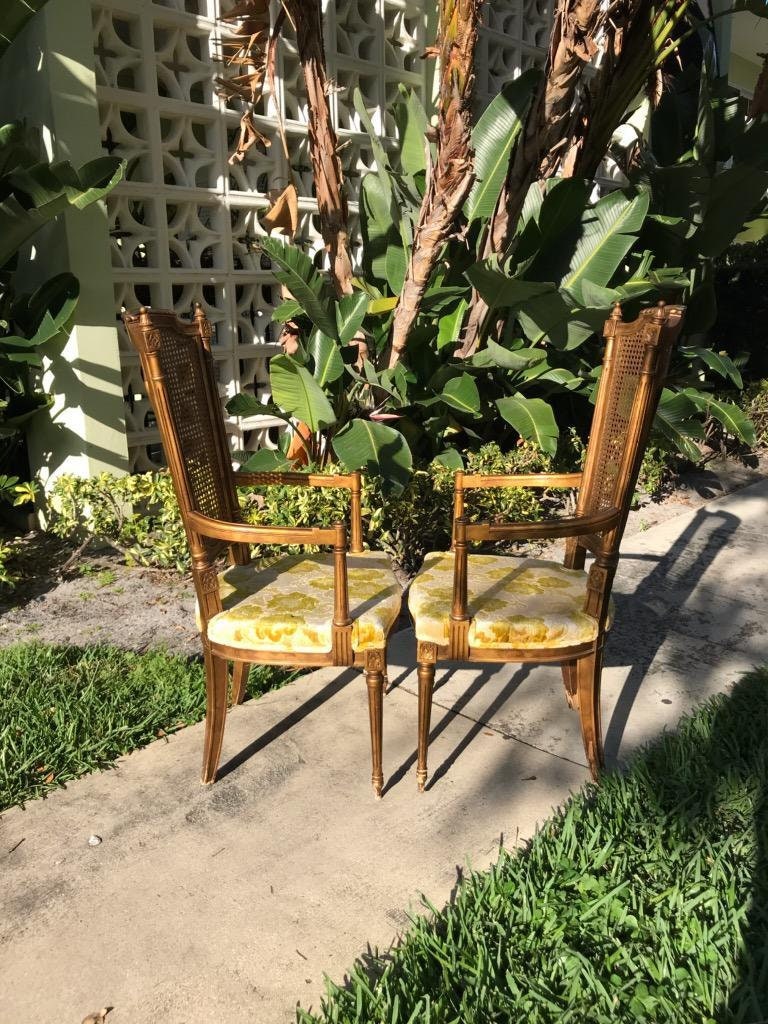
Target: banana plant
[(572, 257), (14, 14), (32, 193)]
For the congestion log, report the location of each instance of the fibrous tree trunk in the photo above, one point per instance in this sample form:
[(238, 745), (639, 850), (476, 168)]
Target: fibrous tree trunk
[(452, 175), (573, 115), (323, 142)]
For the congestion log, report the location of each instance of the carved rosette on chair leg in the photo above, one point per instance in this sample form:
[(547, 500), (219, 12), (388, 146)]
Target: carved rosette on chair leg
[(426, 657), (215, 712), (374, 678)]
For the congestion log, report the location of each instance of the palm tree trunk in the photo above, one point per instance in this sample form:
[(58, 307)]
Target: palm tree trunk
[(572, 118), (452, 176), (306, 16)]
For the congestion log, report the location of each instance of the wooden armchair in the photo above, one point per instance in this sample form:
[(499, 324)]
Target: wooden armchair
[(332, 608), (493, 608)]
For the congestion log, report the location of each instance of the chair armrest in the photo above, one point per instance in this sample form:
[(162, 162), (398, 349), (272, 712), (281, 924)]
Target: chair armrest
[(570, 526), (471, 480), (349, 481), (267, 479), (245, 533)]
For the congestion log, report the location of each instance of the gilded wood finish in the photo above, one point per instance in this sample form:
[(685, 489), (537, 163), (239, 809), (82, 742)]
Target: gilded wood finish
[(178, 370), (635, 365)]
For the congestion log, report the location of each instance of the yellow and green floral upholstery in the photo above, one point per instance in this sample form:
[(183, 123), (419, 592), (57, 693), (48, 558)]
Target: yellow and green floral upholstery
[(287, 605), (521, 603)]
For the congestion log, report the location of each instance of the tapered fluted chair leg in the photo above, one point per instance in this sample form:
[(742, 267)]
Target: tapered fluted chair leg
[(375, 682), (570, 682), (588, 671), (215, 714), (426, 675), (240, 671)]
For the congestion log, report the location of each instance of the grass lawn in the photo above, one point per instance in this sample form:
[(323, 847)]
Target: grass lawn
[(645, 900), (67, 711)]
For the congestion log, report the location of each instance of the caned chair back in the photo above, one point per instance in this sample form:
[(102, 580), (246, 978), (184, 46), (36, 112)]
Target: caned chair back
[(178, 372), (635, 365)]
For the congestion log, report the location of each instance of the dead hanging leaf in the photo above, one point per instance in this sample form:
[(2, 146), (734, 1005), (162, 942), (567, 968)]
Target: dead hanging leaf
[(249, 136), (246, 50), (283, 214), (98, 1017)]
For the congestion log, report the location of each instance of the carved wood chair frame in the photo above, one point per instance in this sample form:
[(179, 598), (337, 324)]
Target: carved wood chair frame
[(213, 523), (635, 365)]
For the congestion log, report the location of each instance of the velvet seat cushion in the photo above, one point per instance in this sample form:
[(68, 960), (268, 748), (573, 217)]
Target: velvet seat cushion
[(523, 603), (287, 605)]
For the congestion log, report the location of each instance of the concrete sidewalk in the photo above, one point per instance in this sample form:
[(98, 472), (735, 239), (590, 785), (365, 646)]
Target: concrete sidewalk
[(229, 903)]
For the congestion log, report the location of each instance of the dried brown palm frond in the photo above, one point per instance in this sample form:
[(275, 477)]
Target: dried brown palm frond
[(247, 51)]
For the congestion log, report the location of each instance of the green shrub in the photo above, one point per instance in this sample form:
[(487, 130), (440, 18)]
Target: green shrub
[(657, 471), (139, 516), (642, 900), (756, 407)]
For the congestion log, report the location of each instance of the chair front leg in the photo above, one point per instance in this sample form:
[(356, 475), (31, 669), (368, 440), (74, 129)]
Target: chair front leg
[(427, 656), (215, 712), (588, 671), (240, 671), (374, 678)]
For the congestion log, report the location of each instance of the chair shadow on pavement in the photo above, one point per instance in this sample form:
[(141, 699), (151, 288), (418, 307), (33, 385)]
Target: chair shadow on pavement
[(647, 616), (485, 674), (293, 718)]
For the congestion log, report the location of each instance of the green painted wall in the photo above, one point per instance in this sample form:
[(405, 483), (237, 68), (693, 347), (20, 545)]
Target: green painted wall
[(47, 78)]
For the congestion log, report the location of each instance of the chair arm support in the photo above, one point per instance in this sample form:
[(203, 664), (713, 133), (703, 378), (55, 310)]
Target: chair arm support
[(269, 479), (571, 526), (349, 481), (244, 533), (470, 480)]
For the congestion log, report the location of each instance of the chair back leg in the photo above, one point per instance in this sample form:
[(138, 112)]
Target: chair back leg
[(215, 713), (240, 671), (571, 684), (588, 672)]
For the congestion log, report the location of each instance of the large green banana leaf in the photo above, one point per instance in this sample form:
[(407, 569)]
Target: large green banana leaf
[(35, 195), (14, 14), (377, 448), (297, 392), (296, 271), (493, 137)]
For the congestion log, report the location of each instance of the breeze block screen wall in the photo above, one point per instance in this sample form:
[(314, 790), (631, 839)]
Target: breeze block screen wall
[(183, 223)]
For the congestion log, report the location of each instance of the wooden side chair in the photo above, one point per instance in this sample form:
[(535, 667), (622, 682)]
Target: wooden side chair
[(333, 608), (493, 608)]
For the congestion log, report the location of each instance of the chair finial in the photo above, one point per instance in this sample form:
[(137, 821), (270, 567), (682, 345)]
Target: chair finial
[(616, 311)]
